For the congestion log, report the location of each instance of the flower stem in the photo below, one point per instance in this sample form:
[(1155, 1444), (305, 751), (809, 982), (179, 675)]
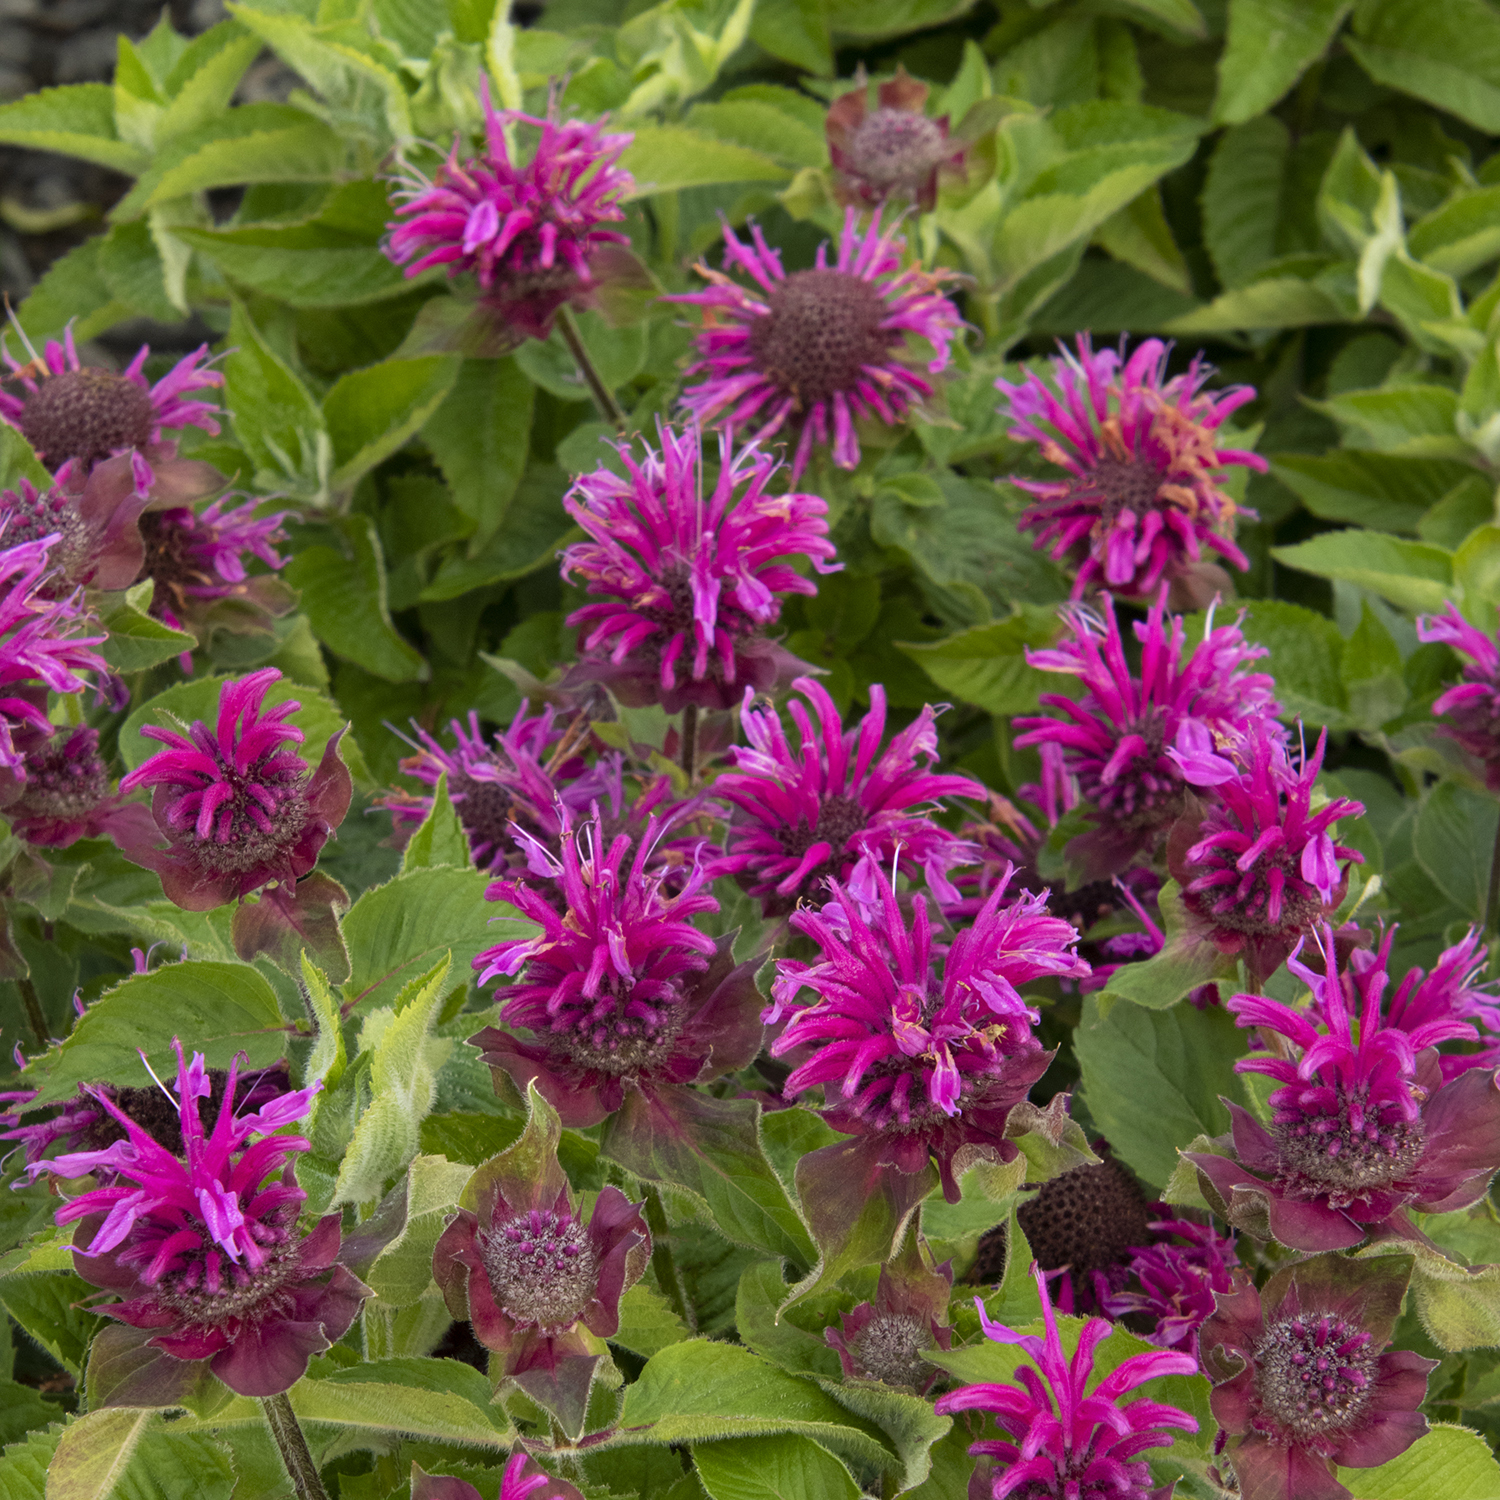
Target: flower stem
[(34, 1017), (662, 1263), (690, 741), (287, 1431), (608, 406)]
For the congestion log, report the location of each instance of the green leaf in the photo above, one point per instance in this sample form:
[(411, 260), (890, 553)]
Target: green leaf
[(480, 437), (761, 126), (345, 598), (440, 840), (664, 158), (1414, 420), (986, 665), (795, 31), (132, 269), (218, 1009), (402, 1078), (1242, 198), (1411, 575), (73, 290), (326, 1062), (647, 1322), (1448, 55), (96, 1452), (1152, 1079), (75, 120), (203, 80), (1270, 42), (23, 1468), (1447, 1463), (1373, 673), (1274, 302), (785, 1467), (371, 412), (535, 527), (1368, 489), (1460, 235), (403, 927), (698, 1392), (1454, 841), (136, 639), (18, 461), (151, 1461), (402, 1272), (48, 1305), (306, 265)]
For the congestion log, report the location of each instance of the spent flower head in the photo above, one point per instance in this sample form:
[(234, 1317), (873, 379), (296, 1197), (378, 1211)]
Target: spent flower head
[(689, 583), (1304, 1379), (202, 1243), (1362, 1125), (890, 153), (1143, 502), (1129, 741), (806, 815), (1063, 1441), (236, 804), (530, 232), (886, 1339), (813, 352)]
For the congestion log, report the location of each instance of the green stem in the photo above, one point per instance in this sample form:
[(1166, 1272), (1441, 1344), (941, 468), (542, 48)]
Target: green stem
[(667, 1276), (690, 742), (608, 406), (34, 1017), (287, 1431), (1492, 901)]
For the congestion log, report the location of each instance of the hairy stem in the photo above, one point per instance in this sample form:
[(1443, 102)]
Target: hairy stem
[(287, 1431), (609, 408), (690, 742), (34, 1017), (667, 1276)]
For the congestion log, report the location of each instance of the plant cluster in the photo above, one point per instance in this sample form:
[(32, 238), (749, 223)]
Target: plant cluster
[(772, 768)]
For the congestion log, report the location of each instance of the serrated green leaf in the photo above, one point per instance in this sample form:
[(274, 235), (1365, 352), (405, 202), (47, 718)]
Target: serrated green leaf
[(1412, 575), (46, 1304), (303, 265), (785, 1467), (1377, 490), (1273, 302), (1242, 198), (1447, 1463), (203, 80), (76, 120), (1461, 234), (1448, 55), (986, 665), (371, 412), (1269, 44), (1453, 839), (402, 1272), (665, 158), (95, 1453), (138, 640), (326, 1062), (440, 839), (647, 1322)]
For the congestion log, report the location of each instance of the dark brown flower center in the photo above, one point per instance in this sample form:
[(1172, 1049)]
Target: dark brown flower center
[(485, 810), (1126, 484), (889, 1348), (1087, 1219), (86, 414), (896, 149), (822, 329), (1353, 1150), (542, 1267), (170, 560), (1315, 1375)]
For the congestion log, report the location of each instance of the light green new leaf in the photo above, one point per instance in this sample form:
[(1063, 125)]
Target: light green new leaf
[(96, 1452), (1461, 234), (326, 1062), (1275, 302), (1270, 42), (1447, 1463), (75, 120), (663, 158), (203, 80), (785, 1467), (402, 1272), (440, 839)]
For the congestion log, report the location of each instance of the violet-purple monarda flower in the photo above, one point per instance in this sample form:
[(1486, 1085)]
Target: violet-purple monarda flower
[(1125, 739), (1453, 991), (689, 582), (1304, 1379), (1064, 1441), (1142, 503), (530, 233), (619, 990), (1472, 707), (813, 352), (76, 416), (1257, 863), (235, 803), (522, 1479), (922, 1063), (1363, 1125), (886, 1339), (892, 152), (804, 816), (202, 1245), (1173, 1283), (67, 795)]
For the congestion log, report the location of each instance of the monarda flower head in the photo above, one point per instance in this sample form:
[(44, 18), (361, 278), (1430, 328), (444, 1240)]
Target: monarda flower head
[(890, 153), (1142, 501), (620, 991), (1362, 1126), (235, 803), (1472, 707), (530, 233), (1173, 1281), (202, 1244), (1064, 1441), (813, 352), (1304, 1379), (1453, 991), (922, 1063), (1257, 864), (689, 583), (523, 1479), (804, 816), (66, 795), (887, 1339), (77, 415), (1131, 732)]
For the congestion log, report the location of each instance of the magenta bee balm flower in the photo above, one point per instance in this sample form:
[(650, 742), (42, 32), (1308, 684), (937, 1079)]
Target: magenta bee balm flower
[(1132, 732), (1453, 991), (236, 805), (530, 234), (202, 1244), (1064, 1441), (690, 584), (1304, 1379), (67, 796), (813, 352), (1472, 708), (806, 815), (1363, 1124), (1174, 1283), (523, 1479), (1142, 502), (923, 1064)]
